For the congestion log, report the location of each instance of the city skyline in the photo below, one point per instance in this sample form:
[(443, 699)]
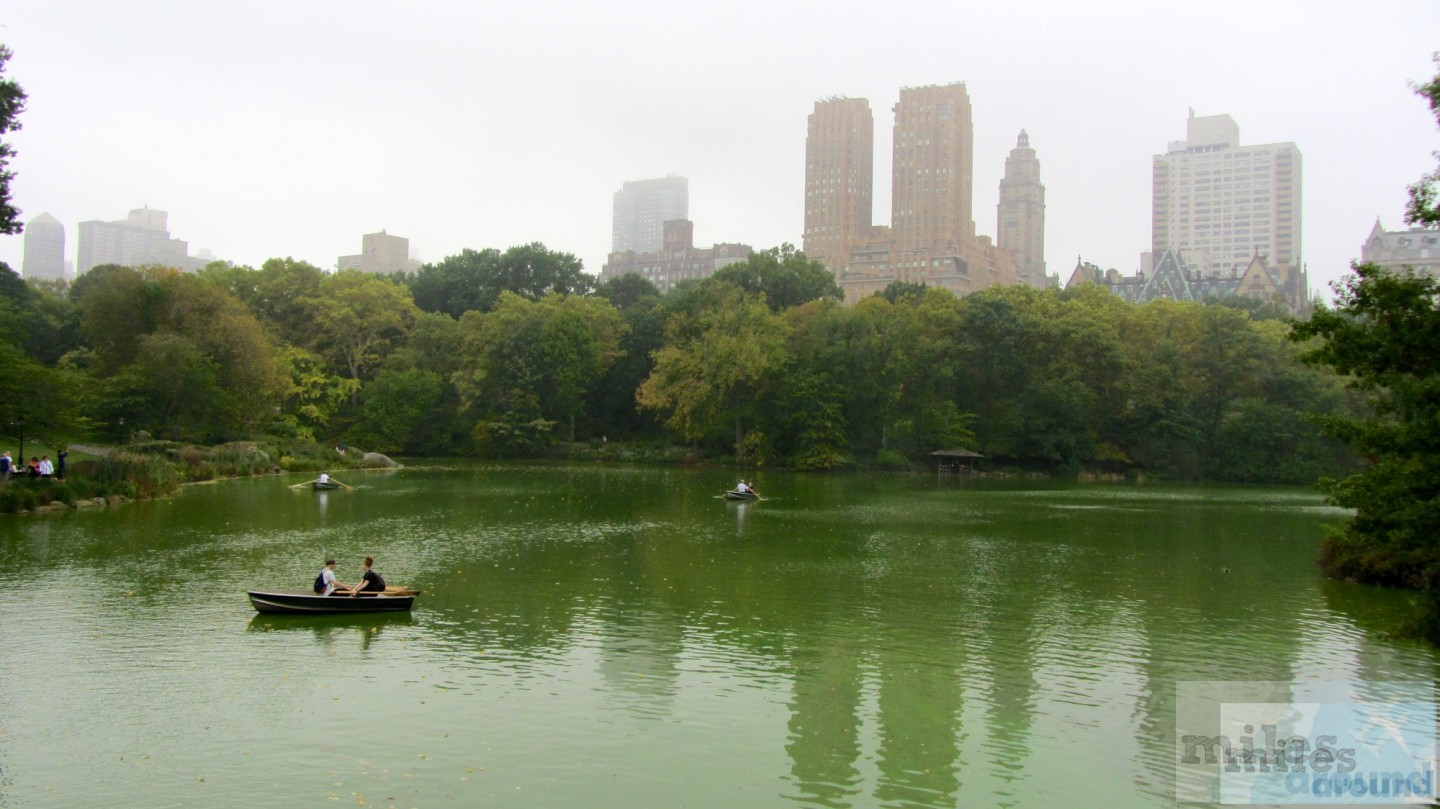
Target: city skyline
[(273, 145)]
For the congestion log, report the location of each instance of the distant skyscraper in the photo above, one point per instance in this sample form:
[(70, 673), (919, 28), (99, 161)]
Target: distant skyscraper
[(839, 179), (380, 253), (44, 248), (642, 207), (931, 239), (141, 238), (1221, 204), (932, 170), (1021, 212)]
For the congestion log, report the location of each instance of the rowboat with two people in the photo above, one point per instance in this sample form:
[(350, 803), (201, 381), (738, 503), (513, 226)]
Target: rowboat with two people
[(393, 599), (742, 491), (330, 595)]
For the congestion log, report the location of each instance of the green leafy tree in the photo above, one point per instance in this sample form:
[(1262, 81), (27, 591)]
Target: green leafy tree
[(1382, 333), (280, 295), (811, 392), (784, 276), (537, 359), (118, 306), (630, 289), (612, 402), (713, 364), (395, 409), (457, 284), (46, 400), (1424, 205), (140, 319), (12, 103), (358, 318), (903, 291), (312, 394), (474, 279), (177, 387)]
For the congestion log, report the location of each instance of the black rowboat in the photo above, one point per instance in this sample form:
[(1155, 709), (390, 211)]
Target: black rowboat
[(325, 485), (734, 495), (340, 603)]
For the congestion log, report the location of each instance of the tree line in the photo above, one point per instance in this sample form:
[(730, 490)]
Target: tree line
[(507, 354)]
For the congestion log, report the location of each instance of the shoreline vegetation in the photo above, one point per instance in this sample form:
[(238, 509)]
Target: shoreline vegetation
[(149, 469)]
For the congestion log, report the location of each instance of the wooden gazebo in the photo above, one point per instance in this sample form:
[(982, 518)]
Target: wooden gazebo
[(955, 461)]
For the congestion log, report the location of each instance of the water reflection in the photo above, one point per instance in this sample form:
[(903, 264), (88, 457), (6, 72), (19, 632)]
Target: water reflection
[(357, 631), (871, 641)]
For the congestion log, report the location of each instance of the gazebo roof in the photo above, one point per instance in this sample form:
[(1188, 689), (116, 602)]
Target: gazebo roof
[(957, 453)]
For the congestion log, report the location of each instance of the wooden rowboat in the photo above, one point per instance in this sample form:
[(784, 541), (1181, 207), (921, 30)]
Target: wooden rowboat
[(325, 485), (734, 495), (294, 603)]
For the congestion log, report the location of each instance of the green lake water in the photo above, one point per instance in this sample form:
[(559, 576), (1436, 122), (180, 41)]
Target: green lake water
[(612, 636)]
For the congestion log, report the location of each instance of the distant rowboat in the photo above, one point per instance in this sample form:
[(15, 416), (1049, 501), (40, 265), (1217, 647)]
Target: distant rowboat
[(737, 495), (325, 485)]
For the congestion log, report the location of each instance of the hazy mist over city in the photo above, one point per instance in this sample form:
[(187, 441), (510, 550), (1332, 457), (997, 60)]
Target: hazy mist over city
[(289, 129)]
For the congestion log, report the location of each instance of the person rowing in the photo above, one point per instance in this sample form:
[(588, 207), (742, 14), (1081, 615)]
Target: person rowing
[(370, 581)]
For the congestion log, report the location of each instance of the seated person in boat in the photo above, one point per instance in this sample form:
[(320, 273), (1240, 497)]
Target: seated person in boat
[(324, 478), (326, 583), (371, 581), (742, 488)]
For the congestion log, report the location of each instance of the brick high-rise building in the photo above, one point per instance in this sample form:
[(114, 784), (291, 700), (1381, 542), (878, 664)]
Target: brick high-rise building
[(1020, 226), (641, 209), (931, 239), (933, 170), (839, 179), (44, 248), (1221, 204)]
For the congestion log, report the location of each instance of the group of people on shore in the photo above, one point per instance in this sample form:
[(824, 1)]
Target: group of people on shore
[(327, 584), (40, 467)]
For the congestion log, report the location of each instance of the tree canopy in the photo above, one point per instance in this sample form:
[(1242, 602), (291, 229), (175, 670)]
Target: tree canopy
[(12, 103)]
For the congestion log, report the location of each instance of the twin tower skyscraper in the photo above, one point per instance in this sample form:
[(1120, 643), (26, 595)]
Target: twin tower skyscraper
[(931, 238)]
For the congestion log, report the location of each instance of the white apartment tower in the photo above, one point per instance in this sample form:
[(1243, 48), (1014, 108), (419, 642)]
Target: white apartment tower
[(44, 248), (1220, 204), (140, 238), (641, 209), (1021, 213)]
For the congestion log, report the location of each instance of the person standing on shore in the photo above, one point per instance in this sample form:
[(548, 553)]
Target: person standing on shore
[(60, 463), (6, 466)]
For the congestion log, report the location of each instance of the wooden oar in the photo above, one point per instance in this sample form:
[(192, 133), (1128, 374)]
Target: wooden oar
[(388, 591), (305, 483), (351, 488)]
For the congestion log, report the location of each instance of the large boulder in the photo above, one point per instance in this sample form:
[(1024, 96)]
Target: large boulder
[(376, 459)]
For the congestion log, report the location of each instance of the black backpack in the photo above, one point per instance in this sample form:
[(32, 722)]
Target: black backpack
[(320, 582)]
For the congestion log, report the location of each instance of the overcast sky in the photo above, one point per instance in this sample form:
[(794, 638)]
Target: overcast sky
[(291, 128)]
